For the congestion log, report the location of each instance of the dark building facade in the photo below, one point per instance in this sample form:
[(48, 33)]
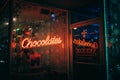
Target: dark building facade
[(41, 41)]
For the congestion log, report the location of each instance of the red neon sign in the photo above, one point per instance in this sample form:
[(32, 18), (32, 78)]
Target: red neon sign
[(84, 43), (85, 52), (29, 43)]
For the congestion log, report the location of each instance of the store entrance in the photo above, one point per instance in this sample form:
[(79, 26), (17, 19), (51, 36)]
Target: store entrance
[(86, 51)]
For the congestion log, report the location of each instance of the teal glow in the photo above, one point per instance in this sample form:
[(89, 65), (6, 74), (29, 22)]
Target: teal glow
[(17, 29), (106, 38)]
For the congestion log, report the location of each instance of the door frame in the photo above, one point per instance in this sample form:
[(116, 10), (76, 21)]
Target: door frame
[(102, 62)]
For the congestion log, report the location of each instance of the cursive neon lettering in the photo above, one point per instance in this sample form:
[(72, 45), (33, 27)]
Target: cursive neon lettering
[(84, 43), (28, 43)]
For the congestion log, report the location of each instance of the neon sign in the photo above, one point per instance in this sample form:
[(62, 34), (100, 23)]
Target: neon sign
[(85, 52), (90, 49), (29, 43), (84, 43)]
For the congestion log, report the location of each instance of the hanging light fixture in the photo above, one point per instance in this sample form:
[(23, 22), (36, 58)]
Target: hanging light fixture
[(53, 16)]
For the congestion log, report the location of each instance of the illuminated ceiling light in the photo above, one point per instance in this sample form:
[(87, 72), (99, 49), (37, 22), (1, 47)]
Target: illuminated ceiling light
[(14, 19), (53, 16), (74, 28), (6, 23), (2, 61)]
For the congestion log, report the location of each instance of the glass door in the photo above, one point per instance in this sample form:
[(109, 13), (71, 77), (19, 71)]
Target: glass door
[(87, 56)]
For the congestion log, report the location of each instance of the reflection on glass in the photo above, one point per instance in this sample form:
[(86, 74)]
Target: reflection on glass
[(85, 43)]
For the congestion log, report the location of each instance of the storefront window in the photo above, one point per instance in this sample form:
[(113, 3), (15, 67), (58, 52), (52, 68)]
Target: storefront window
[(39, 40)]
